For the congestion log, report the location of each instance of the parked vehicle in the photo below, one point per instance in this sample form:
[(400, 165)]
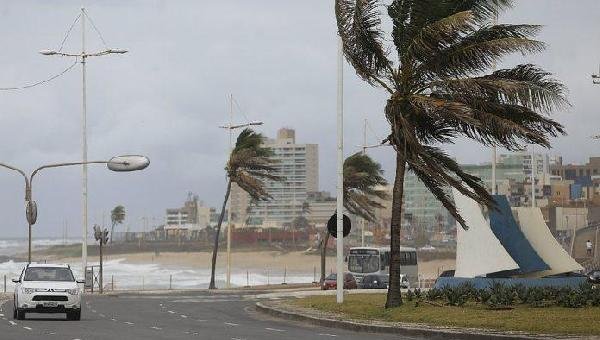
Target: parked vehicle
[(594, 276), (404, 283), (330, 282), (47, 288), (374, 281), (363, 261)]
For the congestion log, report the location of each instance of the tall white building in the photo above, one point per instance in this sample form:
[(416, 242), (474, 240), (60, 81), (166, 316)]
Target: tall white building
[(298, 164)]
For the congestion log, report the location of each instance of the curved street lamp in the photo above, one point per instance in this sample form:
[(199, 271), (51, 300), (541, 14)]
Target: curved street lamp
[(118, 163)]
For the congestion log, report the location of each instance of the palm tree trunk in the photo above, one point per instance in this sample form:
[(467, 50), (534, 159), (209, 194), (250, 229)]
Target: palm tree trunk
[(323, 254), (216, 245), (394, 298)]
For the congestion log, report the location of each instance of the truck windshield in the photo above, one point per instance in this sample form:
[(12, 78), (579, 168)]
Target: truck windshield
[(48, 274), (363, 263)]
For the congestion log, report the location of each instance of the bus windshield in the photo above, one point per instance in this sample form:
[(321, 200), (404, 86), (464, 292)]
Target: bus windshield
[(363, 263)]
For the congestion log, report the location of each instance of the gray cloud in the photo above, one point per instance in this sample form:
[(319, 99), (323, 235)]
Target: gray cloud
[(168, 95)]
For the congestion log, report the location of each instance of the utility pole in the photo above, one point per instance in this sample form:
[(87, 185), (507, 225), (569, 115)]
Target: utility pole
[(494, 148), (232, 127), (229, 200), (340, 176)]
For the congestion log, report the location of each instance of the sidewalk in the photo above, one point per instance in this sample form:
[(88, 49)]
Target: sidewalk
[(282, 309)]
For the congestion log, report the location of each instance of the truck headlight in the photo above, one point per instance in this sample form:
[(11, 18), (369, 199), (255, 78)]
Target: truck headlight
[(27, 290), (73, 291)]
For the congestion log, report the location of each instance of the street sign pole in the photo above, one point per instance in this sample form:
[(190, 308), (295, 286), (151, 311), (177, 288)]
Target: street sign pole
[(340, 176)]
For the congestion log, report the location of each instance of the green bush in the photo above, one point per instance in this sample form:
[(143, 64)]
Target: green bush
[(410, 295), (434, 294), (501, 295), (571, 298)]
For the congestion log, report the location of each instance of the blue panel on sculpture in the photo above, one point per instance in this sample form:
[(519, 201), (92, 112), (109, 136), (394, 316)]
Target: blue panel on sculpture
[(512, 239)]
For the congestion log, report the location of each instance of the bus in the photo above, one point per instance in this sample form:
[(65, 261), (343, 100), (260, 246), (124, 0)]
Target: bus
[(363, 261)]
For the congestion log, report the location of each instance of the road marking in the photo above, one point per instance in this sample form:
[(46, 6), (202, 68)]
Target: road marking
[(3, 318), (184, 316), (274, 329), (93, 311), (113, 319), (231, 324), (157, 328), (171, 312), (1, 314), (12, 323), (199, 320), (27, 328), (102, 315), (325, 334), (128, 323)]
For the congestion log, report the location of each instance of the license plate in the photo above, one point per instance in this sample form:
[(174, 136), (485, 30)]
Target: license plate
[(50, 304)]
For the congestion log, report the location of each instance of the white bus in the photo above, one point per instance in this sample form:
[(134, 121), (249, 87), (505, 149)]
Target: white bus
[(363, 261)]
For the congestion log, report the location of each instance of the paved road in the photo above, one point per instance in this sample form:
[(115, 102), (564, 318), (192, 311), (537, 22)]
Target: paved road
[(198, 315)]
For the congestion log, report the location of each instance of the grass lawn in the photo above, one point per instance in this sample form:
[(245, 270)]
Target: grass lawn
[(556, 320)]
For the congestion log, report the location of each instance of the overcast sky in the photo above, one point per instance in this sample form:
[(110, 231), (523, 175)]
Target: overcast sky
[(167, 96)]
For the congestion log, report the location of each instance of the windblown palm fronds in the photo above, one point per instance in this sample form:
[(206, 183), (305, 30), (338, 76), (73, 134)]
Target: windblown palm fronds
[(435, 73)]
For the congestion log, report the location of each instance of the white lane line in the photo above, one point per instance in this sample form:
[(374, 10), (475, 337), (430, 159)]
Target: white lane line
[(1, 314), (157, 328), (325, 334), (274, 329), (27, 328), (113, 319), (238, 339), (200, 320), (171, 312), (231, 324), (128, 323), (102, 315), (12, 323), (4, 319), (93, 311), (184, 316)]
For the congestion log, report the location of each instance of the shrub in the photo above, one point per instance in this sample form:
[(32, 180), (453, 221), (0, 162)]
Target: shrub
[(501, 295), (434, 294), (410, 295), (456, 296), (571, 298)]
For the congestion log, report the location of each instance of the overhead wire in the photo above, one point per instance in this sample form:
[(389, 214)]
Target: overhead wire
[(51, 78), (96, 29), (62, 44)]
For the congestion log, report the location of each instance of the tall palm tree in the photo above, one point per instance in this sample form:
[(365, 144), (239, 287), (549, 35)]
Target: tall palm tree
[(249, 164), (117, 216), (363, 192), (435, 74)]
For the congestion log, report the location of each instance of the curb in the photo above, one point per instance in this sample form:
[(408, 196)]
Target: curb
[(405, 329)]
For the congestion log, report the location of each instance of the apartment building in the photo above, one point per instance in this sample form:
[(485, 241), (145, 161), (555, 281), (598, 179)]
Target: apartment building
[(298, 164)]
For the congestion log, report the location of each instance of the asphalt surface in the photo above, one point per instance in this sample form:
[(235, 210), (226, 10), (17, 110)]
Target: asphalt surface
[(198, 315)]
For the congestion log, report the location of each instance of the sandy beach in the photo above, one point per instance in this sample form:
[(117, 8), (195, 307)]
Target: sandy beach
[(273, 261)]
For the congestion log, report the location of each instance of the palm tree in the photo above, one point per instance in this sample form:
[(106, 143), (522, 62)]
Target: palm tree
[(435, 74), (363, 192), (249, 164), (117, 216)]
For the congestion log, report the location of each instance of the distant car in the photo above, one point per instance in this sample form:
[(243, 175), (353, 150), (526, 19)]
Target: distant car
[(374, 281), (594, 276), (47, 288), (330, 282), (404, 283)]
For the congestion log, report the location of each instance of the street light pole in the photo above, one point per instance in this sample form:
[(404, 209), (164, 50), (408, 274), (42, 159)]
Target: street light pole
[(119, 163), (84, 147), (340, 176)]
